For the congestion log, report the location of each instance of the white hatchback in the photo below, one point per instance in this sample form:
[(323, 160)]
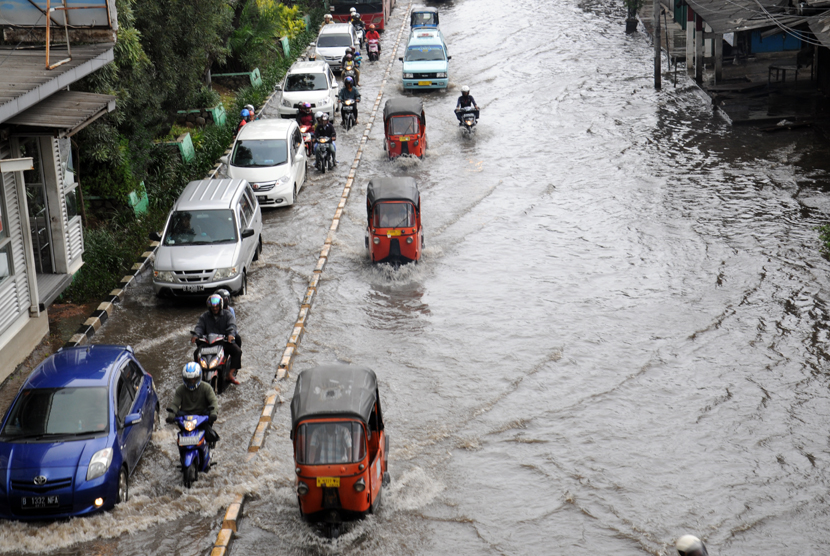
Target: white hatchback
[(311, 82), (269, 154)]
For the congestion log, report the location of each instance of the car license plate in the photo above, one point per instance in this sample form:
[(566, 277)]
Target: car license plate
[(194, 288), (328, 481), (424, 83), (404, 138), (36, 502), (393, 233)]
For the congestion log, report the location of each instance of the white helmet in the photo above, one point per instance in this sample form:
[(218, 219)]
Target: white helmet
[(318, 115), (689, 545), (352, 10), (191, 375), (465, 89), (327, 16)]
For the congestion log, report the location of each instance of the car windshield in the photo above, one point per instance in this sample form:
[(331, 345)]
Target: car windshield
[(394, 215), (330, 443), (260, 153), (200, 227), (424, 53), (403, 125), (306, 82), (58, 412), (333, 41)]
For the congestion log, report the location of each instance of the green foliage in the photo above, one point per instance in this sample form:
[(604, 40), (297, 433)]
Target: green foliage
[(633, 6), (824, 236), (104, 253), (204, 98), (255, 43)]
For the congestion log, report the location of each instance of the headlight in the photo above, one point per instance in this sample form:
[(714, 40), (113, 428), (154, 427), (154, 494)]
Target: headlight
[(287, 103), (360, 485), (163, 275), (283, 180), (214, 362), (440, 75), (408, 76), (302, 488), (376, 240), (99, 463), (224, 273), (189, 425), (409, 239)]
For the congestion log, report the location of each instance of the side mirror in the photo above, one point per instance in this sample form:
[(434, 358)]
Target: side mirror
[(449, 58), (154, 236), (132, 419), (401, 59), (224, 159), (313, 43), (278, 87), (247, 232)]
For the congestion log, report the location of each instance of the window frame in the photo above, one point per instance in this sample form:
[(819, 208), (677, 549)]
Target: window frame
[(5, 233)]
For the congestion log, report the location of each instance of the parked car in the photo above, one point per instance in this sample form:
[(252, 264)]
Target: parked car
[(311, 82), (75, 433), (333, 41), (426, 64), (212, 235), (270, 154)]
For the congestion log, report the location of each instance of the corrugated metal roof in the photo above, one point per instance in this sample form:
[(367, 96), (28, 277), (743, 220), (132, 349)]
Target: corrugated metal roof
[(727, 16), (65, 111), (820, 25), (26, 81)]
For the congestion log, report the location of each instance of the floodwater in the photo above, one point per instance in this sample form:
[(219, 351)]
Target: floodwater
[(616, 335)]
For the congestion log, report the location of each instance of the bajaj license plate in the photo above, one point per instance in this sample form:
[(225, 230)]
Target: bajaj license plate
[(328, 481), (393, 233), (424, 83), (404, 138), (194, 288), (36, 502)]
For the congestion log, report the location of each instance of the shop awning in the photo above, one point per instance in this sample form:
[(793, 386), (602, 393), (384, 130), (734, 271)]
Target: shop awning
[(62, 114)]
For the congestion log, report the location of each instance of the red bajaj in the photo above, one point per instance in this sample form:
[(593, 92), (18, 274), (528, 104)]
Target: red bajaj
[(394, 234)]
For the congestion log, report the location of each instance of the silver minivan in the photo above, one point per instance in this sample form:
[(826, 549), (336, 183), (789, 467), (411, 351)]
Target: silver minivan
[(212, 235)]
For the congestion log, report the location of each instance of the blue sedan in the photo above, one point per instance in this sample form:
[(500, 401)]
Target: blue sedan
[(75, 433)]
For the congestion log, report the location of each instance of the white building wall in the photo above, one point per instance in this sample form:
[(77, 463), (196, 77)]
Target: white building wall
[(14, 290)]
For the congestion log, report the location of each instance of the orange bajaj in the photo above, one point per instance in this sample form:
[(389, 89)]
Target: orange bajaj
[(340, 448), (394, 234), (405, 125)]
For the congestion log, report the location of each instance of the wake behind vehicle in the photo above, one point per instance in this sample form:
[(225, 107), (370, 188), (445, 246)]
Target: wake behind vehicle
[(340, 446), (426, 64), (394, 233), (215, 363), (211, 237), (404, 124), (75, 433), (194, 447)]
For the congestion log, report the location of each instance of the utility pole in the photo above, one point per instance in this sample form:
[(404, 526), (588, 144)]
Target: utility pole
[(657, 55)]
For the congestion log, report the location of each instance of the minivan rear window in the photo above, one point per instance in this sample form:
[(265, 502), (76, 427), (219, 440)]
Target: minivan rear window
[(424, 53), (260, 153), (333, 41), (306, 82), (200, 227)]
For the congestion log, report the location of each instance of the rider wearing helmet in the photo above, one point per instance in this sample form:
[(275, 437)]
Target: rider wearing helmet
[(349, 60), (327, 19), (689, 545), (226, 304), (326, 129), (244, 115), (304, 115), (251, 112), (465, 101), (194, 397), (349, 51), (218, 320), (349, 91), (372, 34)]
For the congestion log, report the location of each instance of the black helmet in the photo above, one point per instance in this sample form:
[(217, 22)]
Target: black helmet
[(215, 300), (226, 297)]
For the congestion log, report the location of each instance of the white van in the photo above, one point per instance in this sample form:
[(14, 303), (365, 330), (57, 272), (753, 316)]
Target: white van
[(212, 235)]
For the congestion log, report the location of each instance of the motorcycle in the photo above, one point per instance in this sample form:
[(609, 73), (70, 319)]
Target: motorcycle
[(350, 70), (324, 159), (194, 446), (360, 31), (308, 139), (374, 50), (347, 112), (468, 121), (215, 363)]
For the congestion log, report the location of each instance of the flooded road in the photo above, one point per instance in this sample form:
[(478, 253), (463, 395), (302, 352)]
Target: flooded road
[(616, 335)]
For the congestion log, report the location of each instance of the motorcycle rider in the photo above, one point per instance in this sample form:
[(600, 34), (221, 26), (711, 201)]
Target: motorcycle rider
[(349, 59), (217, 320), (327, 19), (226, 304), (251, 112), (244, 114), (304, 115), (326, 129), (195, 397), (373, 35), (464, 101), (349, 92), (349, 51)]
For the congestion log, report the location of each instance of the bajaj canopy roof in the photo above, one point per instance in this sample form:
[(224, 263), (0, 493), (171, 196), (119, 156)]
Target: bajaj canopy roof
[(393, 189), (404, 106), (334, 391)]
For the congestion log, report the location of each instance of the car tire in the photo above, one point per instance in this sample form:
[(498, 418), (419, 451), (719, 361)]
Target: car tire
[(244, 288), (258, 250), (294, 195), (156, 420), (123, 486)]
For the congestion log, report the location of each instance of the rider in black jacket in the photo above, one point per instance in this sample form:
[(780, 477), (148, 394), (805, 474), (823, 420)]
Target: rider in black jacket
[(464, 101), (217, 320)]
